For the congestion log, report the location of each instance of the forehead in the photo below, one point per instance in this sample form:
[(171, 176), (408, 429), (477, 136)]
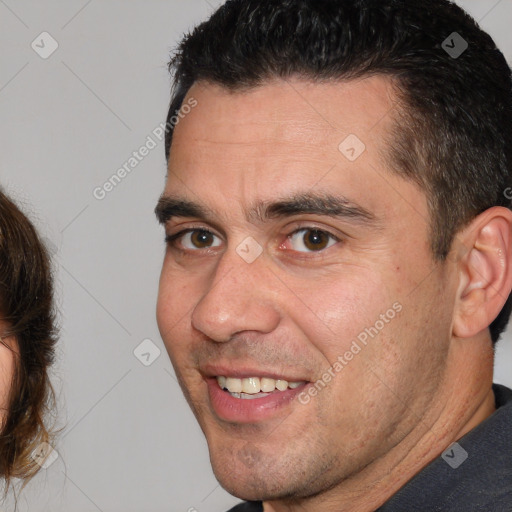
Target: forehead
[(288, 110), (286, 137)]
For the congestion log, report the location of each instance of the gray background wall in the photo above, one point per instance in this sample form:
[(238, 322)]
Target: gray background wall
[(68, 122)]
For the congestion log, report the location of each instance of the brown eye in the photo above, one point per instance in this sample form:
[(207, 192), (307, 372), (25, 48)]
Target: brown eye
[(201, 239), (315, 240), (311, 240), (194, 239)]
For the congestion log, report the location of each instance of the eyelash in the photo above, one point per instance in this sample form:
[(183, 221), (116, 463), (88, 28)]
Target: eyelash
[(171, 239)]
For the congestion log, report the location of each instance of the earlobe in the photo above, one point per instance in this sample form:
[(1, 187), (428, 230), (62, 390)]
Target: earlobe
[(485, 271)]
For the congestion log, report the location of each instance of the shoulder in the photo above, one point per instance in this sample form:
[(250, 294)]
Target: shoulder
[(472, 474)]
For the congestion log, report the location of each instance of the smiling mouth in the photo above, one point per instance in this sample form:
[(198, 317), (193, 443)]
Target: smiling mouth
[(255, 387)]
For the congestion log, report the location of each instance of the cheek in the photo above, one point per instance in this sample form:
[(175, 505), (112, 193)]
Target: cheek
[(177, 295), (6, 375), (341, 309)]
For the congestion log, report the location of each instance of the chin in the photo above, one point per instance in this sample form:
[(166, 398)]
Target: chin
[(248, 485), (249, 473)]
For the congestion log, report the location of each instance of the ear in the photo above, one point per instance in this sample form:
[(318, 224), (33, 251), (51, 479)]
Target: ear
[(485, 271)]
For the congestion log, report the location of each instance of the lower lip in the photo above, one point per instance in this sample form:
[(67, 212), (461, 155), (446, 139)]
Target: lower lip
[(241, 410)]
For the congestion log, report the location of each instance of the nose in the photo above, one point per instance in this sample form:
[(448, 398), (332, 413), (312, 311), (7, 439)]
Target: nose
[(238, 298)]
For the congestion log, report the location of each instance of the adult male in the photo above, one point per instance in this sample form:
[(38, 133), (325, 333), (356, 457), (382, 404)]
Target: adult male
[(339, 253)]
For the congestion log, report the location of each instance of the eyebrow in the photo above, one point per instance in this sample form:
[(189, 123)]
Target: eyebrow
[(307, 203)]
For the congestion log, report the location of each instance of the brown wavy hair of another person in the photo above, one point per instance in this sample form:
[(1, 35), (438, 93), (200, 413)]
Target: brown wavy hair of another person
[(28, 316)]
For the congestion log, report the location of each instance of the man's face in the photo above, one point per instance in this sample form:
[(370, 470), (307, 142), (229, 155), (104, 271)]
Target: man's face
[(345, 275)]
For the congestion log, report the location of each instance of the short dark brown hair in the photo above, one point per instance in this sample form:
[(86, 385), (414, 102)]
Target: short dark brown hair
[(453, 122), (26, 308)]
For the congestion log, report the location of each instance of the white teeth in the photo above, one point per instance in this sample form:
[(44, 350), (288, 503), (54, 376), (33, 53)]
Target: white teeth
[(281, 385), (254, 385), (251, 385), (222, 382), (233, 385), (267, 385), (246, 396)]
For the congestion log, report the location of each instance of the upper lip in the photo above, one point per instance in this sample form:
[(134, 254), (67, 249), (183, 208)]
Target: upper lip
[(242, 371)]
